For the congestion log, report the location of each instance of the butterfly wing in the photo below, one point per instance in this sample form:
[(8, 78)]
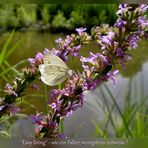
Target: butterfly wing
[(54, 71), (52, 59), (53, 74), (52, 80)]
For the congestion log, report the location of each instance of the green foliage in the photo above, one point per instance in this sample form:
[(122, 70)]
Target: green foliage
[(59, 20), (26, 14), (45, 14), (57, 16), (8, 17), (5, 52)]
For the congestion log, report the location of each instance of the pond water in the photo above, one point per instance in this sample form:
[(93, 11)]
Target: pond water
[(79, 124)]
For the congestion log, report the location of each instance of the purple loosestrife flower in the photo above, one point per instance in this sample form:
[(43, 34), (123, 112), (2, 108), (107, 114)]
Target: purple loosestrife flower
[(31, 61), (142, 22), (52, 125), (56, 105), (90, 84), (82, 37), (68, 40), (11, 109), (119, 52), (75, 51), (44, 124), (68, 99), (53, 105), (133, 40), (10, 90), (123, 8), (55, 101), (39, 57), (64, 45), (106, 39), (111, 75), (122, 57), (63, 55), (73, 85), (120, 23), (37, 60), (31, 72), (110, 34), (46, 51), (80, 31), (107, 43), (144, 8), (35, 118), (55, 93), (97, 32), (98, 64), (37, 130), (67, 47), (71, 44), (59, 40)]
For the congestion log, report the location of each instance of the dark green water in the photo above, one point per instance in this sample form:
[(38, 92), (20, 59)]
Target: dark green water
[(34, 42)]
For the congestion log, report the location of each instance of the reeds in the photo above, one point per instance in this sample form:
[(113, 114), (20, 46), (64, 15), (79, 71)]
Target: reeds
[(131, 120)]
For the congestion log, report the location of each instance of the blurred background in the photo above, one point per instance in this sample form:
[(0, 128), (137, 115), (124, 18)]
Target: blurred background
[(55, 17), (26, 29)]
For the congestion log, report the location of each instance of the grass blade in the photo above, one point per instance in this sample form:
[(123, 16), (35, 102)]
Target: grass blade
[(3, 76), (118, 108), (61, 125), (3, 52), (10, 68), (11, 50)]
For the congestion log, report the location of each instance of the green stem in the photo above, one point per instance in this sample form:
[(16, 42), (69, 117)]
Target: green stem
[(61, 125), (46, 98), (59, 86), (3, 76)]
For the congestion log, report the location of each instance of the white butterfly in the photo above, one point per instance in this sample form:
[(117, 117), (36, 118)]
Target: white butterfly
[(54, 71)]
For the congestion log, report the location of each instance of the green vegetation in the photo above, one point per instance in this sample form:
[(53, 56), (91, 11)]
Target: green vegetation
[(6, 51), (56, 17), (131, 120)]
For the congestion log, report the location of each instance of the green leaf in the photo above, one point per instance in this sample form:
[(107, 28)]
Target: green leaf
[(4, 50), (5, 134)]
